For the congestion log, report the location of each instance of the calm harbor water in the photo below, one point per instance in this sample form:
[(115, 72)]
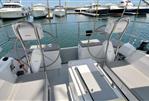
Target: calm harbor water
[(71, 28)]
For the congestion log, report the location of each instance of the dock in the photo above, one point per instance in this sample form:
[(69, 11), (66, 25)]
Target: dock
[(84, 13), (89, 14), (73, 13)]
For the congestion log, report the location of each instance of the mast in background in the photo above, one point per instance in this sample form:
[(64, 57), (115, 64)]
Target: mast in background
[(49, 16), (1, 3), (59, 2)]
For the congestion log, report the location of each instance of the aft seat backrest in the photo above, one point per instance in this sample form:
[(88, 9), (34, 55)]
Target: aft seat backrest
[(127, 49)]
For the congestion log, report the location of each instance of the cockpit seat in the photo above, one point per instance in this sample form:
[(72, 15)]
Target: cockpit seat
[(133, 75), (94, 45), (29, 90)]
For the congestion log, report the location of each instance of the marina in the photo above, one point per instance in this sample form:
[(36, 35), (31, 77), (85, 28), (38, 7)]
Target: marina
[(78, 52), (94, 9)]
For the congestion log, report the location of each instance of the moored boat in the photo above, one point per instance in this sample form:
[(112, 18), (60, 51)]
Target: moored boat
[(59, 11), (12, 10), (98, 9), (129, 8), (80, 9), (39, 10)]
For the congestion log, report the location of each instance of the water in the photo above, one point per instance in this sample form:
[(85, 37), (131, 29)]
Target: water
[(68, 34)]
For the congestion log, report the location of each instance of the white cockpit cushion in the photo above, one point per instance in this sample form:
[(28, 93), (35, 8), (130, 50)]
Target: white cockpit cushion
[(110, 51), (142, 64), (28, 91), (36, 60), (127, 49), (5, 89), (58, 93), (134, 79), (135, 56)]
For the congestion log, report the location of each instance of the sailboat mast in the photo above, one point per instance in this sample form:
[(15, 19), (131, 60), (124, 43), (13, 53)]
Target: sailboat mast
[(1, 3), (48, 3), (59, 2), (97, 2), (48, 7)]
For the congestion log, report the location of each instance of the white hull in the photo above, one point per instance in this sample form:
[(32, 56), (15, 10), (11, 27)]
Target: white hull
[(12, 14), (12, 11), (99, 8), (39, 10), (115, 7), (59, 13), (147, 15), (81, 9), (39, 13)]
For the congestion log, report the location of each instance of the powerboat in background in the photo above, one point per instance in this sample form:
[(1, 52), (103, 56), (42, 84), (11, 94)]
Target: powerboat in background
[(82, 9), (115, 10), (118, 9), (98, 9), (12, 10), (130, 8), (40, 10), (59, 11)]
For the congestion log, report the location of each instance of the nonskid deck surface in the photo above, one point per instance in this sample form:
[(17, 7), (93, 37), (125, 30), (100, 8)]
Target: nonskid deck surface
[(96, 82), (58, 80), (136, 80), (131, 75)]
